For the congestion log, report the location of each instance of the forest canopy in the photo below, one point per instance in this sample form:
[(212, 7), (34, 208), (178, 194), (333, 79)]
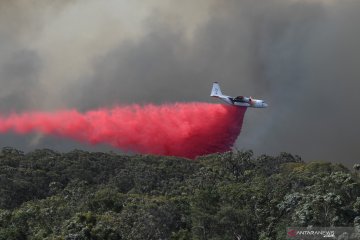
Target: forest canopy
[(45, 194)]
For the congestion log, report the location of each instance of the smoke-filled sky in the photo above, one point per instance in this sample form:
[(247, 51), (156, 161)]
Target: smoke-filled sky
[(301, 56)]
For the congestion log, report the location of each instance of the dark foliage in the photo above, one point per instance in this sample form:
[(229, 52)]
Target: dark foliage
[(82, 195)]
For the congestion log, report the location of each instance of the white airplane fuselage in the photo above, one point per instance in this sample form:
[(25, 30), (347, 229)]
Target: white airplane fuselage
[(240, 101)]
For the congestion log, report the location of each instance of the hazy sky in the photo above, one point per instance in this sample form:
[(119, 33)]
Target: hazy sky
[(301, 56)]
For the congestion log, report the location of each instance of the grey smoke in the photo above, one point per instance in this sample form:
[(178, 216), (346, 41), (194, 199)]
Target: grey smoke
[(302, 56)]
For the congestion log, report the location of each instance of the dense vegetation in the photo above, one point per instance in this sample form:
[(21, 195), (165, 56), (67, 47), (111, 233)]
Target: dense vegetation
[(81, 195)]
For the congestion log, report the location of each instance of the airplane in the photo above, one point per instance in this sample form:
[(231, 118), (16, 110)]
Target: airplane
[(240, 101)]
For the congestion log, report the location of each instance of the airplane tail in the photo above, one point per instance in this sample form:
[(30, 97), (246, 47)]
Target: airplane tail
[(216, 91)]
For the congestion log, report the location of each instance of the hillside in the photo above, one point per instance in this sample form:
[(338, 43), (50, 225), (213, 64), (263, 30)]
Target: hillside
[(81, 195)]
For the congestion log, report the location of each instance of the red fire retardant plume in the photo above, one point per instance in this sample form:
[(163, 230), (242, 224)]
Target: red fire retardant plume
[(182, 129)]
